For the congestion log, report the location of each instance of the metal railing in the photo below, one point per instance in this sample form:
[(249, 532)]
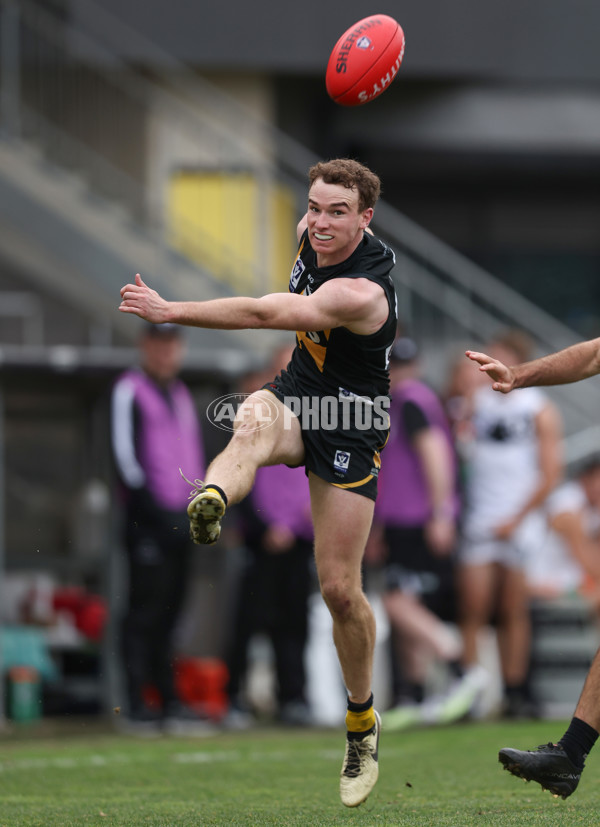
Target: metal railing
[(63, 85)]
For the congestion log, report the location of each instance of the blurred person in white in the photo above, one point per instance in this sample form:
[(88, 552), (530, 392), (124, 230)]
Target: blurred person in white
[(514, 463), (416, 514), (569, 562)]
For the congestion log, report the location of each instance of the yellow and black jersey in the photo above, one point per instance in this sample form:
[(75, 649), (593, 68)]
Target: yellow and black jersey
[(339, 361)]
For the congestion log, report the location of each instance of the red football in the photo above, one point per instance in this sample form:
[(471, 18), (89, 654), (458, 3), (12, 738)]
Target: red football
[(365, 60)]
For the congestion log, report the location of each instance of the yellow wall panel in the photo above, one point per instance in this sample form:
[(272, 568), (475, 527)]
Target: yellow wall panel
[(242, 233), (283, 220)]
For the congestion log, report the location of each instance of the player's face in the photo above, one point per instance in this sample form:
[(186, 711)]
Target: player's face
[(335, 225), (504, 354), (162, 357)]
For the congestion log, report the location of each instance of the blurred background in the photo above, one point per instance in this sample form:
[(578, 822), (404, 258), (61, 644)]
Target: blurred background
[(173, 139)]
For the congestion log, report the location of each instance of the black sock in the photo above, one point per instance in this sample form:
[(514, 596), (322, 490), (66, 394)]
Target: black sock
[(354, 707), (456, 669), (517, 691), (218, 490), (578, 740)]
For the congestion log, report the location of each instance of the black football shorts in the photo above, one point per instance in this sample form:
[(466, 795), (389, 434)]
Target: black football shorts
[(342, 434)]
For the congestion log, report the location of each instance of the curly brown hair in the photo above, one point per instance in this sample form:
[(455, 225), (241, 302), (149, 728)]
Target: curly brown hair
[(351, 174)]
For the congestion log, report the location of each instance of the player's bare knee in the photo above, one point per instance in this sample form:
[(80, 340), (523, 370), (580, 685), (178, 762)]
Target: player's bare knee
[(256, 414), (340, 600), (246, 430)]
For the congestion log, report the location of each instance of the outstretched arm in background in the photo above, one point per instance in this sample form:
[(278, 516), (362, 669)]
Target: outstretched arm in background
[(577, 362)]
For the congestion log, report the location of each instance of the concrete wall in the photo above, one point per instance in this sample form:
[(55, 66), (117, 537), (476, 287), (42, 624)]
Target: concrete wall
[(528, 39)]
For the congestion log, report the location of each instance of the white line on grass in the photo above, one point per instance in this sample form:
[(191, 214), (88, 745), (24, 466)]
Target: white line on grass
[(197, 757)]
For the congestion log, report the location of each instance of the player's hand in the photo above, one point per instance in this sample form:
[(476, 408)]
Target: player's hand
[(278, 539), (505, 531), (376, 550), (440, 533), (144, 302), (502, 377)]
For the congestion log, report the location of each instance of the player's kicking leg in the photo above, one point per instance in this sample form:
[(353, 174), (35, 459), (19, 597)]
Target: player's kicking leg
[(265, 433), (206, 510)]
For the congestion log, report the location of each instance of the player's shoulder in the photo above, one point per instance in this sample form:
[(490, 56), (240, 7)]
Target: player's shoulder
[(356, 287), (522, 401), (127, 378), (352, 289), (372, 242), (569, 496), (131, 382), (536, 400), (373, 257)]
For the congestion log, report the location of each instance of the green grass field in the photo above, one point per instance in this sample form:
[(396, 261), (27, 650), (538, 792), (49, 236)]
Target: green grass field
[(442, 776)]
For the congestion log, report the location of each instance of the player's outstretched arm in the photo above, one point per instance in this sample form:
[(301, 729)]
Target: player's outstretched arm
[(235, 313), (344, 302), (572, 364)]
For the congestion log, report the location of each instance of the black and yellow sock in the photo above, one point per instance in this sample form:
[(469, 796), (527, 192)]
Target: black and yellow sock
[(360, 717), (218, 490)]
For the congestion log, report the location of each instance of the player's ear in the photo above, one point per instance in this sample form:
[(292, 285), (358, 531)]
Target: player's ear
[(366, 217)]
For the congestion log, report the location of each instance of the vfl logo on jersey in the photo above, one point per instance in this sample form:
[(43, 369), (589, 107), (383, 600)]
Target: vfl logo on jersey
[(297, 271), (341, 461)]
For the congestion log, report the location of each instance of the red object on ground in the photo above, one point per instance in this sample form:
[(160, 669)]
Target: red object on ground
[(201, 684), (89, 611)]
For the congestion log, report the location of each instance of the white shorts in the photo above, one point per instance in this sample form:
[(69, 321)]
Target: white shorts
[(477, 548), (481, 552)]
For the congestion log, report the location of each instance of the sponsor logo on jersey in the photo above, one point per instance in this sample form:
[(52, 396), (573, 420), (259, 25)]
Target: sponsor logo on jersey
[(341, 461)]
